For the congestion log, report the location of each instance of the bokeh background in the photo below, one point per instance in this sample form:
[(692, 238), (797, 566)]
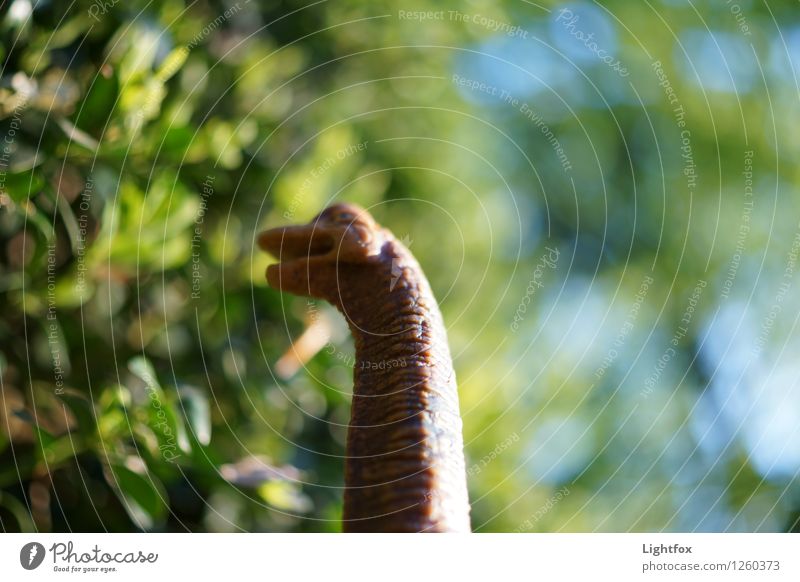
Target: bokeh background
[(603, 194)]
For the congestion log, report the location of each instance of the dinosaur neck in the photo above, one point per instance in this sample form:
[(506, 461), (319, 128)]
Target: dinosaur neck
[(405, 465)]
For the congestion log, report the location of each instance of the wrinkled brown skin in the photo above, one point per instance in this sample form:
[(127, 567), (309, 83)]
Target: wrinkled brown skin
[(404, 470)]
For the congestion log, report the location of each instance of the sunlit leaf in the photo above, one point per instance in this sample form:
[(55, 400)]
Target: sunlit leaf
[(285, 495), (194, 405)]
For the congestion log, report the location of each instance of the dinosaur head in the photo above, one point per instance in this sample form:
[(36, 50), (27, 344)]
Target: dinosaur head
[(315, 258)]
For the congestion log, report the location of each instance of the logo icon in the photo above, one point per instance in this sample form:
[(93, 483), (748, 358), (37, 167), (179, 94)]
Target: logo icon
[(31, 555)]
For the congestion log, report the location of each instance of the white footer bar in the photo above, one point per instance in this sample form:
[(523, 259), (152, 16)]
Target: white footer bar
[(352, 558)]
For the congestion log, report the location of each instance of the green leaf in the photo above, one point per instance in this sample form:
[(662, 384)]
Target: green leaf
[(113, 418), (78, 136), (194, 405), (177, 140), (160, 415), (172, 63), (141, 493), (41, 221), (22, 185), (98, 104), (68, 31), (19, 511), (143, 369)]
